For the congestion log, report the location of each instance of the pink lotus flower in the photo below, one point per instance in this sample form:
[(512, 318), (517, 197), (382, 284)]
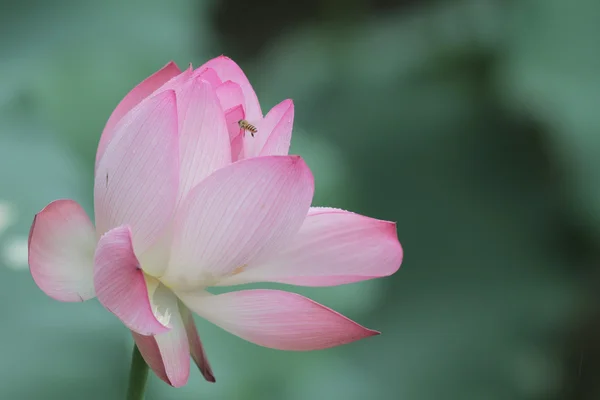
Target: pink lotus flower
[(182, 203)]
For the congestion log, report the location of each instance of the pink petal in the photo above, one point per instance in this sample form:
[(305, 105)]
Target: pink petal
[(120, 283), (232, 100), (230, 71), (176, 82), (230, 95), (196, 348), (232, 118), (168, 354), (209, 75), (137, 178), (62, 240), (133, 98), (236, 217), (204, 142), (277, 319), (276, 130), (333, 247)]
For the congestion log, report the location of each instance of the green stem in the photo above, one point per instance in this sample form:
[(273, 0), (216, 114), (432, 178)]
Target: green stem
[(138, 375)]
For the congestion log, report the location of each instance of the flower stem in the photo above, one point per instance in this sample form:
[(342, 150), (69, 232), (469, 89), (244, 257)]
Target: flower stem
[(138, 375)]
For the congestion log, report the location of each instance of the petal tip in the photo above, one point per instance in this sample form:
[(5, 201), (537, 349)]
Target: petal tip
[(299, 165), (372, 332), (168, 93), (297, 161), (179, 382), (209, 377), (396, 252), (172, 65)]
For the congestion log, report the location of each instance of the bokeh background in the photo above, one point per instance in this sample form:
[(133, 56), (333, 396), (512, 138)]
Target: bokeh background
[(475, 124)]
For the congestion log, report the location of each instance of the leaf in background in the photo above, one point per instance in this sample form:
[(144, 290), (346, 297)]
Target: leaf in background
[(47, 345), (408, 104), (550, 71)]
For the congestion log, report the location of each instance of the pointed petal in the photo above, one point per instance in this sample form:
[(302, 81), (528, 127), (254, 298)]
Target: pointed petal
[(137, 179), (168, 354), (176, 82), (196, 348), (236, 217), (277, 126), (276, 319), (120, 283), (333, 247), (274, 132), (209, 75), (232, 117), (62, 240), (228, 70), (204, 142), (133, 98)]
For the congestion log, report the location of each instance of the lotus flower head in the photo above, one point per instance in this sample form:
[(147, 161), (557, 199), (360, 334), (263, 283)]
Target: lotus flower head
[(186, 198)]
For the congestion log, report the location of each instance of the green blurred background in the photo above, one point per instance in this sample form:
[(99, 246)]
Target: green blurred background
[(475, 124)]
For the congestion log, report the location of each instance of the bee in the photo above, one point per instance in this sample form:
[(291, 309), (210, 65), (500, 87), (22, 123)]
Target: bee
[(247, 126)]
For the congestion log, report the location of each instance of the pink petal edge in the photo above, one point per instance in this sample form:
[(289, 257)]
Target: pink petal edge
[(61, 245), (120, 283), (276, 319), (274, 132), (209, 75), (228, 70), (230, 95), (168, 354), (151, 354), (133, 98), (280, 137), (232, 101), (333, 247), (232, 117), (196, 349), (137, 179)]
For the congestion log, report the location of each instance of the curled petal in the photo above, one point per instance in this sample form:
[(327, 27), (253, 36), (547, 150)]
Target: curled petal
[(276, 319), (228, 70), (137, 179), (168, 354), (62, 241), (236, 217), (133, 98), (121, 286), (332, 247)]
